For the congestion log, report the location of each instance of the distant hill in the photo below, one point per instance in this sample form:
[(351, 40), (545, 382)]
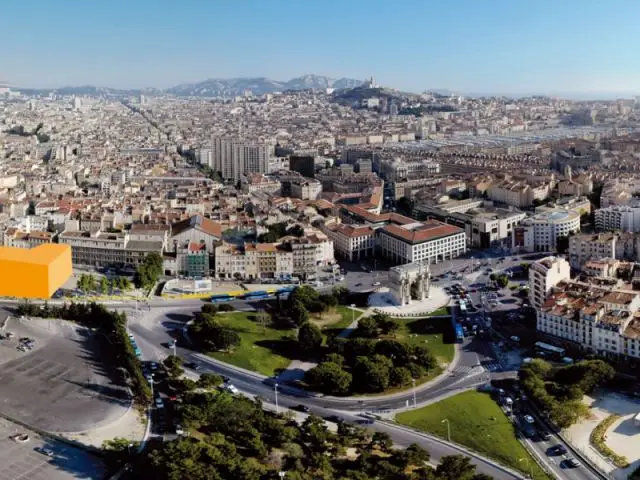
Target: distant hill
[(229, 87), (258, 86), (355, 95)]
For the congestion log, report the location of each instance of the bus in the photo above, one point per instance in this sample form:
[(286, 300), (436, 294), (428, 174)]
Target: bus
[(137, 351), (551, 350), (222, 297), (459, 333)]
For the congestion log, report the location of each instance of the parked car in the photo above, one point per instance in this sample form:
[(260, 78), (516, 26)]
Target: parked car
[(528, 419)]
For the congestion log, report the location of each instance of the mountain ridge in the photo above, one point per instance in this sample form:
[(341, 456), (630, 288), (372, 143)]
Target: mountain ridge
[(213, 87)]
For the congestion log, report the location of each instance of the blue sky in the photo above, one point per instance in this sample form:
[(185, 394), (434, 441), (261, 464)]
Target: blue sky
[(472, 46)]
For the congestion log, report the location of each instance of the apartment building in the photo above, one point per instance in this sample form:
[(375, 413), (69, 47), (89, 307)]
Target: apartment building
[(411, 242), (544, 275), (517, 193), (300, 257), (584, 247), (102, 249), (625, 218), (14, 237), (540, 232), (351, 241), (234, 157), (597, 320), (305, 188)]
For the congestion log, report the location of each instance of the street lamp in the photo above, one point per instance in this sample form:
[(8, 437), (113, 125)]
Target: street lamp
[(129, 448), (413, 381), (448, 428), (528, 464), (275, 389)]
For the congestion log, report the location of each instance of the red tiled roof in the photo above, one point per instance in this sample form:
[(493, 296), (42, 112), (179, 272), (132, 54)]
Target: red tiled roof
[(430, 230)]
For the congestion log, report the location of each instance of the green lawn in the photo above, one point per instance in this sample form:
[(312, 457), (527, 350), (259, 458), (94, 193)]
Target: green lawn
[(262, 350), (335, 327), (477, 422), (433, 333)]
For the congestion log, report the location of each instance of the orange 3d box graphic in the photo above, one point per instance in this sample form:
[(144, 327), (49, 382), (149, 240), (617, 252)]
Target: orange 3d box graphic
[(34, 272)]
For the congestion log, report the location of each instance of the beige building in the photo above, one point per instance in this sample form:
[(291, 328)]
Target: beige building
[(352, 242), (585, 246), (603, 321), (544, 275)]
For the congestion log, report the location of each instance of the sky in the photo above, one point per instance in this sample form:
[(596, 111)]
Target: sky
[(468, 46)]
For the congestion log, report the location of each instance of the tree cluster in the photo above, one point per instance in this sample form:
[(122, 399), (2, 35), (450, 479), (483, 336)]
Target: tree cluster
[(239, 440), (559, 391), (207, 333), (305, 299), (112, 325), (87, 283), (368, 362), (148, 273), (278, 230)]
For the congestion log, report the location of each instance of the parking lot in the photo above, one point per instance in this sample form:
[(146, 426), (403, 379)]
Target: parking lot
[(60, 385), (23, 461)]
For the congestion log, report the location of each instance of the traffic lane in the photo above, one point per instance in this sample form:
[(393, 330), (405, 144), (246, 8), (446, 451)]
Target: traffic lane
[(557, 463)]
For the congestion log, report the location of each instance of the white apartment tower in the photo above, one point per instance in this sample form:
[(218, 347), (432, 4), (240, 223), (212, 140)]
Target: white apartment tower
[(234, 158), (544, 275)]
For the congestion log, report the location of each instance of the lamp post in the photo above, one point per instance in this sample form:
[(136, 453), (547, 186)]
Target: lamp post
[(448, 428), (275, 389), (413, 382), (528, 464)]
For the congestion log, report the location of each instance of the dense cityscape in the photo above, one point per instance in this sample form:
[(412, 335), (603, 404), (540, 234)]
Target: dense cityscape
[(243, 271)]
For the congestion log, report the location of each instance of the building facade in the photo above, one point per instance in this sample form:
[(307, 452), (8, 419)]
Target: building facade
[(540, 232), (544, 275)]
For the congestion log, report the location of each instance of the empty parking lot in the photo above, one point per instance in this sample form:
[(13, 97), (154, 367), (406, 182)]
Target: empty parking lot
[(61, 385), (22, 460)]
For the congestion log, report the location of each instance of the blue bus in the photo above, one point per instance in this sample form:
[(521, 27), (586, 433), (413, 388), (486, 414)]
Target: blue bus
[(137, 351), (285, 290), (223, 297), (459, 333)]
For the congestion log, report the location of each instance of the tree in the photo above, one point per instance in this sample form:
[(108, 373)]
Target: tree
[(296, 231), (502, 280), (104, 285), (118, 450), (174, 366), (209, 380), (562, 244), (263, 318), (455, 467), (400, 376), (148, 273), (309, 337), (82, 283), (329, 377), (367, 327), (91, 283), (298, 313), (382, 441), (372, 374), (224, 339)]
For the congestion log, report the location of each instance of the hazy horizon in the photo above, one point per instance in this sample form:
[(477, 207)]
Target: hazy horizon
[(465, 46)]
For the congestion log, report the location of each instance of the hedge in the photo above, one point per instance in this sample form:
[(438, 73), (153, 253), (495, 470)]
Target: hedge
[(597, 440)]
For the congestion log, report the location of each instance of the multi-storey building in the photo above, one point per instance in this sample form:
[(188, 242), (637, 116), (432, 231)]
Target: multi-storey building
[(584, 247), (101, 249), (544, 275), (618, 217), (412, 242), (300, 257), (593, 319), (351, 241), (540, 232), (234, 158)]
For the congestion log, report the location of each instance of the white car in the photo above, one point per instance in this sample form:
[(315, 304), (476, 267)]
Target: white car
[(529, 419), (231, 388), (159, 402), (376, 284)]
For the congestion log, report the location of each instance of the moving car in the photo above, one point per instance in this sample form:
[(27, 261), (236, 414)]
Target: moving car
[(572, 462), (231, 388), (159, 402), (559, 450), (302, 408), (45, 451), (528, 419)]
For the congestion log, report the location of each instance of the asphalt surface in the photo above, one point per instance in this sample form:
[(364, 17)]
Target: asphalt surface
[(60, 385), (23, 461)]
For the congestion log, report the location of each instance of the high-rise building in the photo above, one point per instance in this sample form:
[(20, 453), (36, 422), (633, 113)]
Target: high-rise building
[(234, 158), (305, 165)]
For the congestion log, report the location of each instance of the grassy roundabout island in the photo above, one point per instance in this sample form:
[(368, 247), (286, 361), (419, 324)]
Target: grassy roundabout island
[(381, 355)]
